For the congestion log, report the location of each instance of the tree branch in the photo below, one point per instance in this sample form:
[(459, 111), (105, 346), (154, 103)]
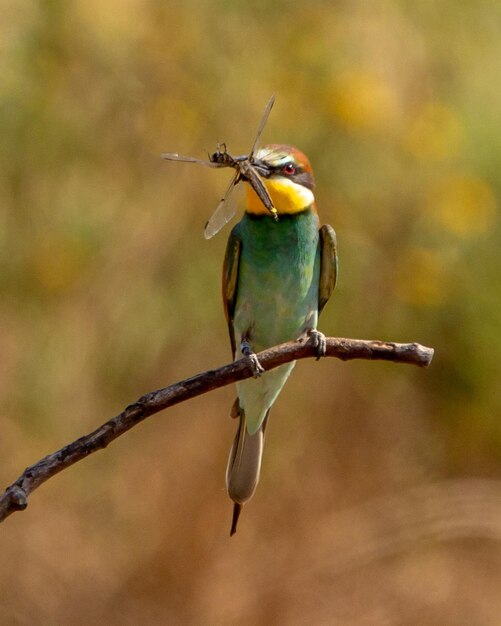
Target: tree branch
[(15, 497)]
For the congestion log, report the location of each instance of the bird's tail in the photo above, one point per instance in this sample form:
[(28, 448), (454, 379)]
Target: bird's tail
[(244, 464)]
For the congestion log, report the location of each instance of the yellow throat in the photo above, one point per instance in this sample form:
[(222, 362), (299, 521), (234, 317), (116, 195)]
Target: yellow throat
[(287, 196)]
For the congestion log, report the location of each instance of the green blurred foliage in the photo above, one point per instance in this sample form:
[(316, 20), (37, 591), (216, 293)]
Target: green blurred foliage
[(108, 290)]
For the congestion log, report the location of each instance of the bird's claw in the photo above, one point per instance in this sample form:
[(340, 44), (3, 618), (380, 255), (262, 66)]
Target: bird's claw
[(319, 341), (254, 364)]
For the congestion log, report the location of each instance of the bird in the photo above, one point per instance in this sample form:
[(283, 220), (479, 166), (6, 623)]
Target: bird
[(279, 271)]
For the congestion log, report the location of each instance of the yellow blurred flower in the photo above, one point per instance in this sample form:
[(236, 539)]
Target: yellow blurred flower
[(435, 133), (362, 101), (463, 205), (124, 21), (421, 277)]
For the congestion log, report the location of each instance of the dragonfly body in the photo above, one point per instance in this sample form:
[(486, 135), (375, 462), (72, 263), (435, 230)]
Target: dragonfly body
[(223, 158)]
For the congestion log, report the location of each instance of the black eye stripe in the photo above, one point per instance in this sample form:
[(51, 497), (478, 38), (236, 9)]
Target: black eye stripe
[(303, 178), (300, 176)]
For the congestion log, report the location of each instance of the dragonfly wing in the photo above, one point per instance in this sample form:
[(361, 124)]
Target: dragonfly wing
[(225, 210), (262, 123), (174, 156)]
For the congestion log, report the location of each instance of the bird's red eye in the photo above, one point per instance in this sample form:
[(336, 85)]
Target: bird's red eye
[(290, 169)]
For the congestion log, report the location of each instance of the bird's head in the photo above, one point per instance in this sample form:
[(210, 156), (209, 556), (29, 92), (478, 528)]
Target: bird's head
[(288, 177)]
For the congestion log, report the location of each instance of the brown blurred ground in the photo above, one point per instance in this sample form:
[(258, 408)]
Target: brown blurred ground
[(380, 498)]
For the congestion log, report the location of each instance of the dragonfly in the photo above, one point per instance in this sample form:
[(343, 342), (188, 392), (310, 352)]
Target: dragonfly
[(247, 169)]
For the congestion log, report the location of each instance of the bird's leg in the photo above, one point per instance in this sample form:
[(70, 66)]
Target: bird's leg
[(254, 364), (319, 341)]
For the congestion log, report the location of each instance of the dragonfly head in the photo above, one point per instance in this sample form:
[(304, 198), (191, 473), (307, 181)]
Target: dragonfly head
[(288, 178)]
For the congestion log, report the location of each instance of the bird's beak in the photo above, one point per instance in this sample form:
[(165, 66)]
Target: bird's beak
[(254, 175)]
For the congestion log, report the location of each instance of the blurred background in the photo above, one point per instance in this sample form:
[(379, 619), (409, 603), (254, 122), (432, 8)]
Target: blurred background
[(380, 495)]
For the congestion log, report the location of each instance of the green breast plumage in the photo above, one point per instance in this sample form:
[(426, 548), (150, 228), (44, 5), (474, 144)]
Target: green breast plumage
[(276, 296), (278, 277)]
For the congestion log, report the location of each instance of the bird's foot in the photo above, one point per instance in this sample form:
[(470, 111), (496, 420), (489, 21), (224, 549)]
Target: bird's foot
[(254, 364), (319, 341)]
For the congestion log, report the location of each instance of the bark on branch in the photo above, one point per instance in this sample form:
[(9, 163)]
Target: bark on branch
[(15, 497)]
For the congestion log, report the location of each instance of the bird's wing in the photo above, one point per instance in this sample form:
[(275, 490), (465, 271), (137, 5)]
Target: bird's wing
[(230, 282), (328, 265)]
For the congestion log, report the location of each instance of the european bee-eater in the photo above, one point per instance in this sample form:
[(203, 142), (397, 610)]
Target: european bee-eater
[(277, 277)]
